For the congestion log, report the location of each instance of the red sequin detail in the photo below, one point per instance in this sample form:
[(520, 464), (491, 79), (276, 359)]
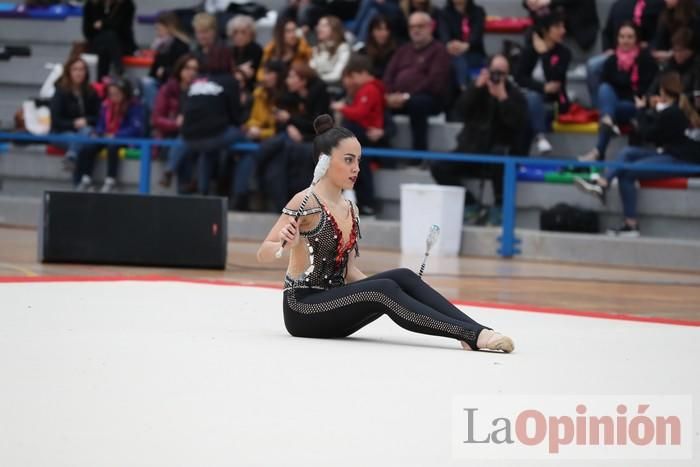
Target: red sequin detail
[(342, 250)]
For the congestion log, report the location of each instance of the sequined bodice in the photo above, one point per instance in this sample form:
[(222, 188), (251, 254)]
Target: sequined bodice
[(327, 249)]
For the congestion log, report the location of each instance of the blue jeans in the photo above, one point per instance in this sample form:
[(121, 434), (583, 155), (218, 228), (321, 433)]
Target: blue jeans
[(594, 70), (626, 178), (620, 111), (462, 65), (72, 149), (367, 11), (210, 150), (537, 111)]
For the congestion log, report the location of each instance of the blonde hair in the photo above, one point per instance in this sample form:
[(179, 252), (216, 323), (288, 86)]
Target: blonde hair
[(204, 21), (169, 20)]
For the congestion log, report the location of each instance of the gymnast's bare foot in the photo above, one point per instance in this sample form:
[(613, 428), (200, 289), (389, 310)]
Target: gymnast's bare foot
[(492, 340)]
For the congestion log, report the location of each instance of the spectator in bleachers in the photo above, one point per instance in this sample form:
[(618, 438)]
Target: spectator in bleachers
[(627, 73), (287, 45), (494, 112), (380, 46), (74, 106), (169, 45), (332, 52), (417, 78), (408, 7), (213, 55), (246, 53), (686, 62), (677, 14), (108, 27), (371, 9), (666, 127), (283, 162), (461, 29), (211, 119), (644, 14), (364, 116), (121, 116), (546, 52), (167, 118), (580, 17)]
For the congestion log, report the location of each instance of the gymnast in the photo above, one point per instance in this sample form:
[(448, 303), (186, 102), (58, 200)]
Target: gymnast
[(325, 294)]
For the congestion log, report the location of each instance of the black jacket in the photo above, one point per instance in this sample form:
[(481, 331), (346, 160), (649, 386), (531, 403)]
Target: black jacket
[(250, 53), (662, 40), (119, 18), (166, 58), (555, 64), (666, 130), (450, 26), (304, 110), (66, 107), (580, 18), (690, 76), (212, 105), (621, 81), (623, 10), (488, 122)]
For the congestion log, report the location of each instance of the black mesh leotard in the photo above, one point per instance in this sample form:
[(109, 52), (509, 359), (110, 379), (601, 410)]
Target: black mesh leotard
[(319, 303)]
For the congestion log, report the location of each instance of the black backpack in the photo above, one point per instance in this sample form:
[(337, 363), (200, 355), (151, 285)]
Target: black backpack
[(565, 218)]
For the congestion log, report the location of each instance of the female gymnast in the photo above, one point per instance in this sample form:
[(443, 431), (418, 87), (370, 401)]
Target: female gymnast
[(325, 294)]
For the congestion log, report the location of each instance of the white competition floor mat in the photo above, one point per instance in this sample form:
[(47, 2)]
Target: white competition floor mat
[(139, 373)]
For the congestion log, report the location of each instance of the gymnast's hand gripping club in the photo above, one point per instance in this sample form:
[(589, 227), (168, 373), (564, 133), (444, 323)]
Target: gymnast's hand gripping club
[(324, 161), (433, 235)]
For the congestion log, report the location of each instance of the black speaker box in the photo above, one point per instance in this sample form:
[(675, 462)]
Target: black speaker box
[(126, 229)]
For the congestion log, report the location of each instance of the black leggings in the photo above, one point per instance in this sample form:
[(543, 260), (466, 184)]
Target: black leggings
[(400, 293)]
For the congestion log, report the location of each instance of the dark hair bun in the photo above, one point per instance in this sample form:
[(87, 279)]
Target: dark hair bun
[(323, 123)]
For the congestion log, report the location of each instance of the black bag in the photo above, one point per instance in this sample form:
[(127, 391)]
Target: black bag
[(565, 218)]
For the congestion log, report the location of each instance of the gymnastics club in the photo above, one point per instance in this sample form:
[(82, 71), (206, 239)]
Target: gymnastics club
[(433, 235), (324, 161)]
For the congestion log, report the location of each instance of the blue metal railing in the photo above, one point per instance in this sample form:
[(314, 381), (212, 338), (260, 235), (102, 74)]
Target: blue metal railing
[(507, 239)]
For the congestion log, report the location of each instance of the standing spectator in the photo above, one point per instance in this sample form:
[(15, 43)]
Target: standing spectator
[(108, 27), (121, 116), (213, 55), (666, 127), (546, 51), (369, 10), (677, 14), (167, 116), (626, 74), (644, 14), (417, 77), (364, 116), (287, 45), (494, 113), (246, 53), (380, 46), (332, 53), (462, 30), (74, 106), (686, 62)]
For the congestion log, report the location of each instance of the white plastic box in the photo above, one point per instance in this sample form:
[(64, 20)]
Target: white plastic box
[(424, 205)]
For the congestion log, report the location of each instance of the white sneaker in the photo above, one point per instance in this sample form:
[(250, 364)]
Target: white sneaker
[(109, 185), (591, 156), (85, 184), (543, 146)]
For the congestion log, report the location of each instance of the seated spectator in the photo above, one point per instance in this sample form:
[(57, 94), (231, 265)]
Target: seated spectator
[(332, 53), (686, 62), (380, 46), (417, 77), (545, 50), (108, 27), (408, 7), (262, 125), (121, 116), (246, 53), (74, 107), (494, 113), (677, 14), (167, 118), (644, 14), (211, 116), (371, 9), (462, 30), (213, 55), (169, 45), (666, 127), (286, 46), (580, 17), (364, 116), (626, 74)]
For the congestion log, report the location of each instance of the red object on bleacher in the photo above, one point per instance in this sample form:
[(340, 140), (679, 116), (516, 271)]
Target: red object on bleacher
[(579, 114), (144, 59), (54, 151), (676, 183), (507, 25)]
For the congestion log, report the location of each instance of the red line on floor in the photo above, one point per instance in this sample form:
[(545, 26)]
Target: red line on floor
[(498, 306)]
